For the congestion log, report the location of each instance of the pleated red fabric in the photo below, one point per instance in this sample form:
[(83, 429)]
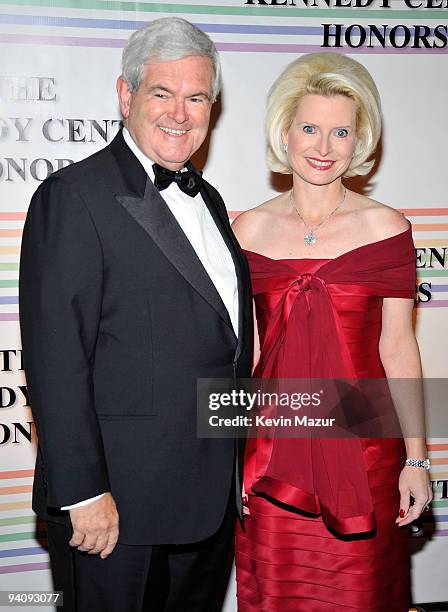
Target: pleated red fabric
[(322, 533)]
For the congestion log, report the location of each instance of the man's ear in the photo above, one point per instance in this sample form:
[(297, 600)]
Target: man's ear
[(124, 96)]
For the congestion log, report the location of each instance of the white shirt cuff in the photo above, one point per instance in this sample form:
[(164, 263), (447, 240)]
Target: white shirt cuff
[(85, 502)]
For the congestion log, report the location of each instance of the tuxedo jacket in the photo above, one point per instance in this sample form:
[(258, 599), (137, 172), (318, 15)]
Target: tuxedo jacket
[(119, 319)]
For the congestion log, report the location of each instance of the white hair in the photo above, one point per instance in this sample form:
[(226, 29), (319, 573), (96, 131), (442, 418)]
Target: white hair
[(163, 40)]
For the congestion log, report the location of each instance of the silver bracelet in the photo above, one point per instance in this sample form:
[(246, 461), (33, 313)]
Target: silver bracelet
[(420, 463)]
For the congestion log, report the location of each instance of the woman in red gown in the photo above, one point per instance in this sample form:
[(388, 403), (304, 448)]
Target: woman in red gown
[(333, 277)]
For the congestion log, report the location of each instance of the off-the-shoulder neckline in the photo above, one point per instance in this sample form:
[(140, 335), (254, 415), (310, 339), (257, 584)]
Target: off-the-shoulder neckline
[(363, 246)]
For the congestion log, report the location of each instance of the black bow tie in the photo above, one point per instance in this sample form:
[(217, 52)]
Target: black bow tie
[(189, 181)]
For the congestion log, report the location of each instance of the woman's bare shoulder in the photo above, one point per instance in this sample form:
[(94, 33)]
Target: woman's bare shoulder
[(380, 220), (253, 222)]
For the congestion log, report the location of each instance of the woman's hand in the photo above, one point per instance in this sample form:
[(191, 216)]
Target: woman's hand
[(413, 481)]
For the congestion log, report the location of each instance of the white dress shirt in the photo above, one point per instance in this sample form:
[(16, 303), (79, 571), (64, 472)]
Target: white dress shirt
[(197, 224)]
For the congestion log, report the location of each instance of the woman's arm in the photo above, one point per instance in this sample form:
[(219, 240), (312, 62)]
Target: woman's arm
[(400, 357)]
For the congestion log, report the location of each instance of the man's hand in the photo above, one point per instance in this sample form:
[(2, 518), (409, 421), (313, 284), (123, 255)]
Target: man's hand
[(95, 527)]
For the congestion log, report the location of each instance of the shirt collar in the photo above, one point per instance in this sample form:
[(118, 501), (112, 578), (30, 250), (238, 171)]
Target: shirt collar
[(147, 164), (145, 161)]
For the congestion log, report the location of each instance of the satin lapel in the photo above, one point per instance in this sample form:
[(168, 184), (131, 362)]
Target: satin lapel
[(153, 215), (232, 245), (129, 169)]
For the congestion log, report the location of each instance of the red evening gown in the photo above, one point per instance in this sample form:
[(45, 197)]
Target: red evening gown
[(321, 534)]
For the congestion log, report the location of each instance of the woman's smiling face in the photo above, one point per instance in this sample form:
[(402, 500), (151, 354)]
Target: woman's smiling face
[(322, 138)]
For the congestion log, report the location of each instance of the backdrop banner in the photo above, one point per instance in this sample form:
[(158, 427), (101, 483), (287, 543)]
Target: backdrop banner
[(60, 61)]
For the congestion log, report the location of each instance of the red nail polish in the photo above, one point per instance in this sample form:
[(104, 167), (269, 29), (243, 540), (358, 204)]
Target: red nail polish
[(402, 513)]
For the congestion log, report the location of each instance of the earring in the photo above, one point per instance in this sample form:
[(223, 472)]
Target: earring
[(285, 147)]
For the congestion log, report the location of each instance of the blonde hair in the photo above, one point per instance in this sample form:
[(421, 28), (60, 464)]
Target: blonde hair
[(324, 74)]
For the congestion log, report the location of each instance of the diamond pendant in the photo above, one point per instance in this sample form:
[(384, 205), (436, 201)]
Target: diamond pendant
[(310, 238)]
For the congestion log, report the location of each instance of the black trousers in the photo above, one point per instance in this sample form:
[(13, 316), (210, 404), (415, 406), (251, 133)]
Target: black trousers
[(164, 578)]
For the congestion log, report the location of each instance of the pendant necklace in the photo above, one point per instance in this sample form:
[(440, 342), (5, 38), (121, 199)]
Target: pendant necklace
[(310, 237)]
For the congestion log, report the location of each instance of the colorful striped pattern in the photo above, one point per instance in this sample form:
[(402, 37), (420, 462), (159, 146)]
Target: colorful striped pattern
[(429, 228), (34, 24), (22, 536), (435, 523), (422, 223), (217, 9), (11, 224)]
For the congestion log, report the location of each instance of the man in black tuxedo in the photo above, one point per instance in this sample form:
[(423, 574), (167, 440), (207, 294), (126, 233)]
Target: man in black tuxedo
[(132, 287)]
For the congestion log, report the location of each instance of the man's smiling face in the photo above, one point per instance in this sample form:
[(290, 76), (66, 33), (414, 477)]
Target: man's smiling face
[(169, 114)]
